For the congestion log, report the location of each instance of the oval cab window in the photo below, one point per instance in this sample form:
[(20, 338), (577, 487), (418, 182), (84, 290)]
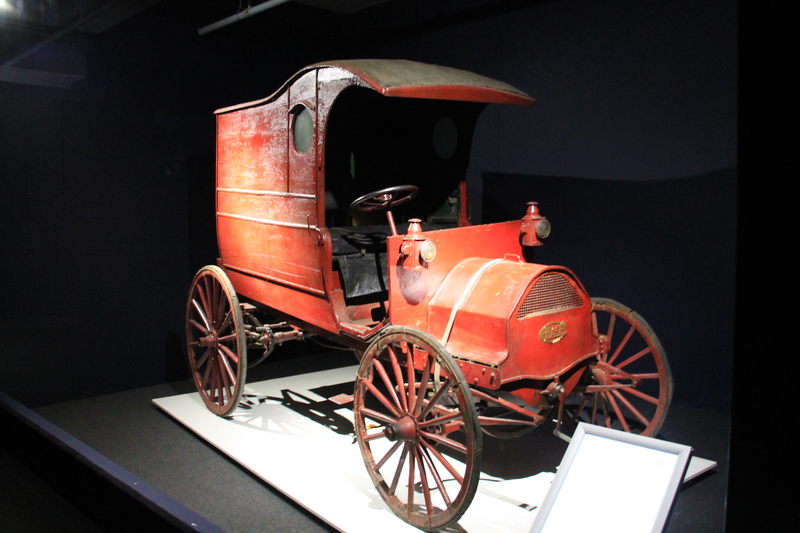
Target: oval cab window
[(303, 129)]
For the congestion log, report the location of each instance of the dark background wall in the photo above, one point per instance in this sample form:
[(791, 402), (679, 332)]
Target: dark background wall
[(106, 209)]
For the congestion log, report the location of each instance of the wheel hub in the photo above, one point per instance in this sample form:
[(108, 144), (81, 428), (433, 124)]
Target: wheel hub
[(209, 340), (613, 377), (601, 377), (405, 429)]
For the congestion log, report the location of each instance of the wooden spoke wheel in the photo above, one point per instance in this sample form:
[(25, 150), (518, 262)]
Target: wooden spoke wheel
[(417, 428), (630, 387), (215, 338)]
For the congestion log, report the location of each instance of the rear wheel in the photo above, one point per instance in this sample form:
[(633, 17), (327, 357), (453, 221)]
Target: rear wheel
[(417, 428), (215, 338), (630, 387)]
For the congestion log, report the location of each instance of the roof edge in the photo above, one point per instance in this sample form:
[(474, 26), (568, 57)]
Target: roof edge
[(412, 79)]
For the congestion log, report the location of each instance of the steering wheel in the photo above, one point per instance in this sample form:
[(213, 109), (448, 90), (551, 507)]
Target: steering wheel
[(384, 199)]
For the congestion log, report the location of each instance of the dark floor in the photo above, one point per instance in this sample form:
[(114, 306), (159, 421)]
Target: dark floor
[(128, 429), (30, 504)]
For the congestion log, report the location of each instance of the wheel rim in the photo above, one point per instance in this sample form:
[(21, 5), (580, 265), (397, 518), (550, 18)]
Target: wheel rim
[(404, 435), (633, 374), (216, 340)]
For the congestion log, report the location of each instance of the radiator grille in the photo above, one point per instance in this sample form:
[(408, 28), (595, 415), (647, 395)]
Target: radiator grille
[(551, 292)]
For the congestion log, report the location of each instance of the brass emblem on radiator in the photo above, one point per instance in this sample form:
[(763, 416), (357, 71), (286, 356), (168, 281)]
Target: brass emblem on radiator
[(552, 332)]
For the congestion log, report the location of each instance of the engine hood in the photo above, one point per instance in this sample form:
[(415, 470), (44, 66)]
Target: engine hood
[(487, 311)]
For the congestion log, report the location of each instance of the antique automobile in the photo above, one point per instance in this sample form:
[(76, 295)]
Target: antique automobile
[(341, 215)]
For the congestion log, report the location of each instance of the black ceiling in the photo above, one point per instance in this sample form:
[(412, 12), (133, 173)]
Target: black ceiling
[(300, 23), (25, 24)]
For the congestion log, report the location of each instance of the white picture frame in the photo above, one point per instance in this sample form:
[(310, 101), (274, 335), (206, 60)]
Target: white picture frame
[(611, 480)]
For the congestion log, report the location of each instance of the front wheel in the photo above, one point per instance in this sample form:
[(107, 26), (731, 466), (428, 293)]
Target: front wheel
[(417, 428), (630, 387)]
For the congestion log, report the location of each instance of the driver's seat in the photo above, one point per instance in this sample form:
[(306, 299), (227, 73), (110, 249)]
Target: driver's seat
[(359, 253)]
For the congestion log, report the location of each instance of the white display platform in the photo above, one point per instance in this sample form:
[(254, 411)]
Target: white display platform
[(322, 470)]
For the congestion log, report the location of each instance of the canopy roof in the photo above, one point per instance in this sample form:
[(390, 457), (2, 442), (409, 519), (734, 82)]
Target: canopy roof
[(410, 79)]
